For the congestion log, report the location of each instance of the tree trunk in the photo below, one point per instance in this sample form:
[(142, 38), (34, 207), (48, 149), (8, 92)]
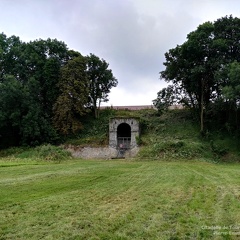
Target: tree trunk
[(202, 107), (95, 108), (98, 109)]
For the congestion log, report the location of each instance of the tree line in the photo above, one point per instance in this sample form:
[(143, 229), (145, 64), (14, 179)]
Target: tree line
[(45, 89), (204, 74)]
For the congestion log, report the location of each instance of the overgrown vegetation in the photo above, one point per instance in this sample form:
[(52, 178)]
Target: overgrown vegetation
[(204, 74), (173, 134), (45, 88), (44, 152)]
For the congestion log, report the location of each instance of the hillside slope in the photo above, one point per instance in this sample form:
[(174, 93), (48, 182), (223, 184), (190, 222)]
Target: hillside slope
[(172, 135)]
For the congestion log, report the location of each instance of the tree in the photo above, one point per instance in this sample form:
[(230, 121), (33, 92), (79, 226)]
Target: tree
[(167, 97), (195, 65), (29, 74), (44, 60), (11, 110), (101, 81), (231, 91), (73, 98)]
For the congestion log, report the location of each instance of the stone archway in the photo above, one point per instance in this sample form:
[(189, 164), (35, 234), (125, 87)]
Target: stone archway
[(123, 127), (124, 135)]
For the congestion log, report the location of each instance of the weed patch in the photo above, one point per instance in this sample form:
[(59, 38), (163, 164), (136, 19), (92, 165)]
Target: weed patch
[(44, 152)]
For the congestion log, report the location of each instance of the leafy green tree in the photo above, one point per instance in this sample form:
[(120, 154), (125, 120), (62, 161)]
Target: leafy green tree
[(45, 87), (36, 127), (29, 74), (101, 81), (44, 60), (166, 98), (73, 98), (195, 65), (231, 91), (11, 110), (11, 50)]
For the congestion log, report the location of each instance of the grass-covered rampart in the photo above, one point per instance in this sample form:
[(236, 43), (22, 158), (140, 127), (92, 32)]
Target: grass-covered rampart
[(174, 134)]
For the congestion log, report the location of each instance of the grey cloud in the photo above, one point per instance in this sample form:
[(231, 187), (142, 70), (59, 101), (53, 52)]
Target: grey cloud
[(132, 35)]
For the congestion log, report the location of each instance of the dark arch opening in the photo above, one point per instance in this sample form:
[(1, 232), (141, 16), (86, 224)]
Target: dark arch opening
[(124, 135), (124, 130)]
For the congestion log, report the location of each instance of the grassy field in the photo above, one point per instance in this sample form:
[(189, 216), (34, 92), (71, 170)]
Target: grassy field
[(124, 199)]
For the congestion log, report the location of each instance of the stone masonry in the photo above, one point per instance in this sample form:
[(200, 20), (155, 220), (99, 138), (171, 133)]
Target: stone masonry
[(114, 130)]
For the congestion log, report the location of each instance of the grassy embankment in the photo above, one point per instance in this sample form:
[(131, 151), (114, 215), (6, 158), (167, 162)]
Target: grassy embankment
[(173, 135), (189, 193)]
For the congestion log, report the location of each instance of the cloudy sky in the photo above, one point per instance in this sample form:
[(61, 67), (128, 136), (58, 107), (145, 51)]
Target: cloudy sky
[(131, 35)]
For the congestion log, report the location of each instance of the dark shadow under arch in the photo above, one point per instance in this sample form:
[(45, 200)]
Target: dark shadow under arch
[(124, 135)]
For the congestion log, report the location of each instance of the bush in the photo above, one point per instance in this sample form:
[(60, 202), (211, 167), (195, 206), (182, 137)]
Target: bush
[(139, 140), (10, 152), (172, 149), (44, 152), (52, 153), (218, 150)]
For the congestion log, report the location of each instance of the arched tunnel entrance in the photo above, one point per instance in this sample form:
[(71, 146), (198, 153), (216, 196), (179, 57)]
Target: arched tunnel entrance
[(123, 135)]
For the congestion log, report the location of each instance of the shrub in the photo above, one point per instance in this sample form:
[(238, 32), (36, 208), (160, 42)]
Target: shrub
[(218, 150), (139, 140), (52, 153), (10, 152), (172, 149)]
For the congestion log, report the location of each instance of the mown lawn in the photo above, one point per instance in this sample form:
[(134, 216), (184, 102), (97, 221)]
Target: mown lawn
[(121, 199)]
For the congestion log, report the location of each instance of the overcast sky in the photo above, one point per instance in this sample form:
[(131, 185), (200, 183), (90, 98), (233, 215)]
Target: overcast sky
[(131, 35)]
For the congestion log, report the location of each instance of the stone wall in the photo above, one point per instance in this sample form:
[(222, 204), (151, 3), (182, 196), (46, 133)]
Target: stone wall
[(111, 151), (100, 152)]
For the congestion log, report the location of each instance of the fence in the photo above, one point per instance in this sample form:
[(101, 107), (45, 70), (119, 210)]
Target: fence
[(124, 142)]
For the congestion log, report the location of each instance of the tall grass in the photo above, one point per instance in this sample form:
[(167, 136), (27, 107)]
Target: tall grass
[(44, 152), (174, 134)]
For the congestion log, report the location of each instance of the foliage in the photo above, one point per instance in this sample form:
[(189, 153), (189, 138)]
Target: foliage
[(217, 149), (172, 135), (167, 97), (43, 152), (45, 90), (52, 153), (101, 81), (95, 131), (173, 149), (71, 102), (12, 152), (139, 140), (28, 78), (199, 64), (232, 90)]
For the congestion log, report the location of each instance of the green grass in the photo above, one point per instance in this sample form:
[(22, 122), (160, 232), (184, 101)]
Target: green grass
[(78, 199), (44, 194), (173, 135)]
